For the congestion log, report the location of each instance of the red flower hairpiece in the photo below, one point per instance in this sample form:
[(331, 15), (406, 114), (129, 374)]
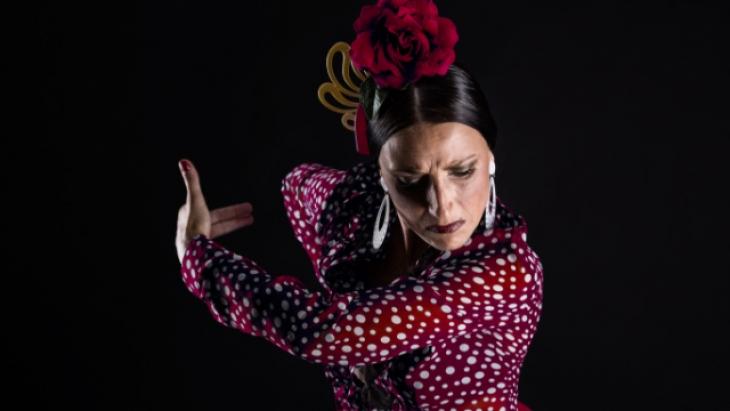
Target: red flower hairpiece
[(399, 41)]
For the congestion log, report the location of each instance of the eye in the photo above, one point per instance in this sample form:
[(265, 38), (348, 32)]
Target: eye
[(409, 184), (465, 173), (405, 184)]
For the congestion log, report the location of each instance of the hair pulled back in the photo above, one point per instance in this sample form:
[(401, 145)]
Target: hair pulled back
[(453, 97)]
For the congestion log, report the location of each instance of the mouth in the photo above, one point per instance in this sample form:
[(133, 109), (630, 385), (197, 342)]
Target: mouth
[(449, 228)]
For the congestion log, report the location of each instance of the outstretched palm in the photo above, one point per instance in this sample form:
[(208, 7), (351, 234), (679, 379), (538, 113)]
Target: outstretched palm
[(194, 218)]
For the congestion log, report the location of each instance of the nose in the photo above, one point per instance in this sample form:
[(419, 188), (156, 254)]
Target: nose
[(439, 200)]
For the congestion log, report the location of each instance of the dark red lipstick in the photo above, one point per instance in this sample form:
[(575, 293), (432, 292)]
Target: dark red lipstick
[(449, 228)]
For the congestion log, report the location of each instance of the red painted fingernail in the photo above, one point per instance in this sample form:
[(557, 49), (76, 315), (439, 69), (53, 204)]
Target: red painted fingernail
[(185, 165)]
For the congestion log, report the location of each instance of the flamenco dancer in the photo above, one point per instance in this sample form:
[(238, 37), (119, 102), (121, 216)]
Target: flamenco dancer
[(431, 306)]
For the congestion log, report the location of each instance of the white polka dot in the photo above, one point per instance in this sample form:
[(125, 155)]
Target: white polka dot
[(401, 336), (360, 318), (395, 319), (500, 261), (464, 347), (372, 347), (450, 370), (346, 348), (423, 374), (528, 278), (316, 353), (358, 330), (446, 309), (418, 385), (329, 337)]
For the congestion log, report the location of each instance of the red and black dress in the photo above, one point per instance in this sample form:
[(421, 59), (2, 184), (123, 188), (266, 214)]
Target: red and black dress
[(451, 335)]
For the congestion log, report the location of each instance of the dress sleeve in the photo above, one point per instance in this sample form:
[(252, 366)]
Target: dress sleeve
[(363, 326), (306, 189)]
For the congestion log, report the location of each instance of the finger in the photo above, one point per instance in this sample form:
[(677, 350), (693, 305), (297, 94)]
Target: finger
[(231, 212), (192, 182), (225, 227)]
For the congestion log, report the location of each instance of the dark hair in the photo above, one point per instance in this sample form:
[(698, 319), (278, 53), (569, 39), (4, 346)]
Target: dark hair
[(453, 97)]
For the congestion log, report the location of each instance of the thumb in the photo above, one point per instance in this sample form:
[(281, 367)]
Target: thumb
[(192, 182)]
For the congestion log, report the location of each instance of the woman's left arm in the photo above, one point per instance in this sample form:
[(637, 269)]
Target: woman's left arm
[(366, 326)]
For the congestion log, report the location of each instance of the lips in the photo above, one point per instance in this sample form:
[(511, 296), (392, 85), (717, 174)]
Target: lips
[(449, 228)]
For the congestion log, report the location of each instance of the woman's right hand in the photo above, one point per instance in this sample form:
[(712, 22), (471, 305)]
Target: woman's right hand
[(193, 217)]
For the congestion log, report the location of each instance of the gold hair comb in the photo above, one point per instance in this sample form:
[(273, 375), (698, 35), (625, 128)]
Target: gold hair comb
[(347, 94)]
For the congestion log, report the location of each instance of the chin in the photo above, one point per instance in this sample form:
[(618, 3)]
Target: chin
[(453, 242)]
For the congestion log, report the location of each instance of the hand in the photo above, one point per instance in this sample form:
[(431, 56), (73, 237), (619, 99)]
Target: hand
[(193, 218)]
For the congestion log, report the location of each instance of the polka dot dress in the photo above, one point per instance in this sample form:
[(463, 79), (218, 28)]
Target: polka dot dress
[(451, 335)]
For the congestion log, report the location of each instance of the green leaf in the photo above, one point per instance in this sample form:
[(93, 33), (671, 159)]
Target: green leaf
[(372, 96), (367, 95), (380, 96)]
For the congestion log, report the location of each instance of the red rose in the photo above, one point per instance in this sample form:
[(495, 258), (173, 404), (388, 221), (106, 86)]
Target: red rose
[(398, 41)]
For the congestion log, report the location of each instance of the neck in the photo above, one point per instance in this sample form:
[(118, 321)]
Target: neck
[(408, 245)]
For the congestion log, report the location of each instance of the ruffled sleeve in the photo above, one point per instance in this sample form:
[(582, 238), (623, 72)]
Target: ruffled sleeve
[(306, 189), (366, 326)]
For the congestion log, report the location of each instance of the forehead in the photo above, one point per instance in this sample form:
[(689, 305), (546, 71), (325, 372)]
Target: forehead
[(427, 144)]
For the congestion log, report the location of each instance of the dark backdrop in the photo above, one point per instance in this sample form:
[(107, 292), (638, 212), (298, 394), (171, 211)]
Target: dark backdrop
[(613, 145)]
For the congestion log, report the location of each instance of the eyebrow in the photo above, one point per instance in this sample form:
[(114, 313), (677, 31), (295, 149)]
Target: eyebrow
[(451, 166)]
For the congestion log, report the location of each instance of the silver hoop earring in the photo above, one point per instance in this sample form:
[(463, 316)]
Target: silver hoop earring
[(378, 232), (490, 213)]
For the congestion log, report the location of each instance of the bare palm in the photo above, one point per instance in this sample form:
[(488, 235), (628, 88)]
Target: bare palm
[(194, 218)]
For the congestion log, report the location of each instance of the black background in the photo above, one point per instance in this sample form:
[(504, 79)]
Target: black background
[(613, 145)]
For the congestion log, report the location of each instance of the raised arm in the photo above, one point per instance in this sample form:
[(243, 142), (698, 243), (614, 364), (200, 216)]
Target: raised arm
[(366, 326)]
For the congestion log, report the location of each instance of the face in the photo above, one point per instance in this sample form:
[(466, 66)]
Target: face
[(437, 174)]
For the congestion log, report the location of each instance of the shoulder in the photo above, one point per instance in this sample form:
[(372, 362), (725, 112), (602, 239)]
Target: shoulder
[(308, 178), (311, 172), (496, 263)]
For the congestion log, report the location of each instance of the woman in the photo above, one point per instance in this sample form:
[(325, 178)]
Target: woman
[(432, 306)]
